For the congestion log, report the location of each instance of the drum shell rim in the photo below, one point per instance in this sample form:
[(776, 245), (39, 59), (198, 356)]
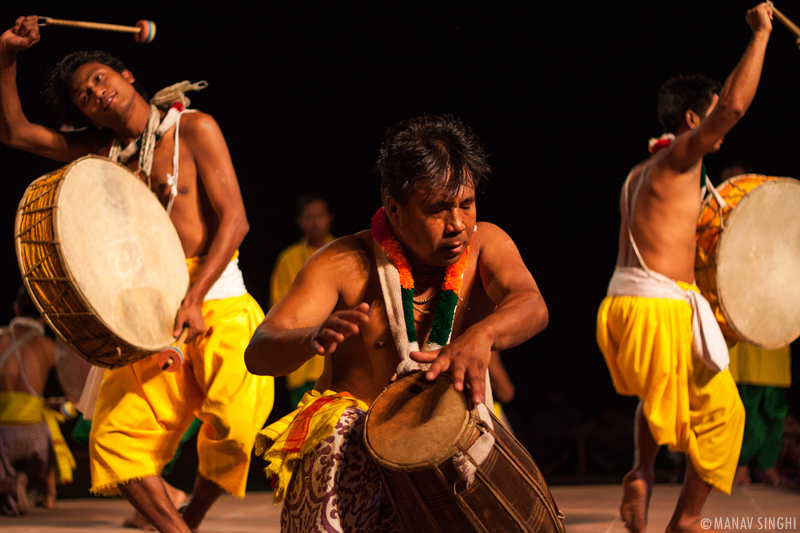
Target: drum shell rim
[(136, 351), (18, 249), (734, 213), (469, 432)]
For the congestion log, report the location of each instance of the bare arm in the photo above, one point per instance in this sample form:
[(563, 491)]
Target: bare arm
[(15, 129), (215, 170), (520, 314), (735, 98), (304, 322)]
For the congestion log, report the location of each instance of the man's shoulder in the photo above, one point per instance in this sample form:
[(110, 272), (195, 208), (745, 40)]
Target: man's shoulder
[(348, 252)]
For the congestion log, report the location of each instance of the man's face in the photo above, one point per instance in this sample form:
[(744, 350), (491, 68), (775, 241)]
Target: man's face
[(434, 227), (315, 220), (101, 93)]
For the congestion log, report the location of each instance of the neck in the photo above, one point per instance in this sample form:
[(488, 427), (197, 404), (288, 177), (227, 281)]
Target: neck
[(132, 124), (316, 243)]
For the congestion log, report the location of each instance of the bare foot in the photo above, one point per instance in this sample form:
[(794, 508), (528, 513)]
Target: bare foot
[(771, 477), (47, 502), (742, 476), (635, 501), (138, 520)]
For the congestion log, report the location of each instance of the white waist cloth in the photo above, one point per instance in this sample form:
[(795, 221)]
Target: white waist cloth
[(229, 284), (707, 339)]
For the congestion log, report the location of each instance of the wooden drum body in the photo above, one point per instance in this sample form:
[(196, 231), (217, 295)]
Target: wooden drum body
[(748, 259), (413, 431), (101, 260)]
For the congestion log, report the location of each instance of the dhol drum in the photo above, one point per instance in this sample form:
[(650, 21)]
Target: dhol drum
[(101, 260), (748, 259), (421, 435)]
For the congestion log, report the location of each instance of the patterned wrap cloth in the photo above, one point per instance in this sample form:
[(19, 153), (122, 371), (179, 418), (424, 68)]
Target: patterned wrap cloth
[(321, 471)]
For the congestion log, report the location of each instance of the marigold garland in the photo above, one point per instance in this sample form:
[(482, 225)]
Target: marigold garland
[(451, 285)]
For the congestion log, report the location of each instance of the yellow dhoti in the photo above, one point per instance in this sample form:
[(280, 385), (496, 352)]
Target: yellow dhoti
[(142, 412), (23, 409), (647, 344)]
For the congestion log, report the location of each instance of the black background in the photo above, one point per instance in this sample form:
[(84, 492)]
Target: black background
[(562, 93)]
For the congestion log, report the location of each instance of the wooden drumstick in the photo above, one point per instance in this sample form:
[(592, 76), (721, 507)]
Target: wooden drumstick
[(791, 26), (171, 357), (145, 30)]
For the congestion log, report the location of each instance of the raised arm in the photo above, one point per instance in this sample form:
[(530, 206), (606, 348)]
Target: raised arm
[(734, 99), (520, 314), (305, 321), (15, 129), (214, 167)]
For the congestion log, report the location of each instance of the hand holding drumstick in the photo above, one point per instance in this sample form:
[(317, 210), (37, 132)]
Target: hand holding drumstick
[(791, 26)]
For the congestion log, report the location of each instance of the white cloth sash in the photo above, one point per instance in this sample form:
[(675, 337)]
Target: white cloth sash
[(707, 339), (229, 284)]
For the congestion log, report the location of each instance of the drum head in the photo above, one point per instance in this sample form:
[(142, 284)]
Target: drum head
[(759, 265), (122, 251), (415, 422)]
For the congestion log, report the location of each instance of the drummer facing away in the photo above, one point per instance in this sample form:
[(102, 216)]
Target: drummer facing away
[(142, 412), (427, 228), (644, 325)]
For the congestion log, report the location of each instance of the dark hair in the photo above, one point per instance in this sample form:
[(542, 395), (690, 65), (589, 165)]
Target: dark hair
[(681, 94), (24, 305), (59, 83), (309, 198), (430, 152)]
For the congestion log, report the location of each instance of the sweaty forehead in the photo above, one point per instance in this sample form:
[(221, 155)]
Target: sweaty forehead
[(441, 196)]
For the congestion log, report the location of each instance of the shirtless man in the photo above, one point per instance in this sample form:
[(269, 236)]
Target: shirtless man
[(644, 326), (430, 168), (29, 433), (209, 215)]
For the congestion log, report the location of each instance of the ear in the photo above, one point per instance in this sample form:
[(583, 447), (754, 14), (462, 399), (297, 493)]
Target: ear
[(393, 211), (128, 75), (692, 119)]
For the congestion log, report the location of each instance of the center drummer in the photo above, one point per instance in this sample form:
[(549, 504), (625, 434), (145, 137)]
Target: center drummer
[(141, 412), (438, 272)]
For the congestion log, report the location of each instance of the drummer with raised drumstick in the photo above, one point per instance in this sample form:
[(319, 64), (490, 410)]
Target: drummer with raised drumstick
[(455, 290), (645, 325), (185, 159)]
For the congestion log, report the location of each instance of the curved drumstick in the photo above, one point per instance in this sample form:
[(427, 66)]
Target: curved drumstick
[(171, 357), (145, 30), (791, 26)]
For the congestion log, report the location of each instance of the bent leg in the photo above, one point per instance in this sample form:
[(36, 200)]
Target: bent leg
[(236, 403), (139, 521), (637, 486), (149, 496), (693, 495), (204, 495)]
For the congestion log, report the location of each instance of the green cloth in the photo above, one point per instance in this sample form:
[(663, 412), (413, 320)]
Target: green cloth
[(765, 412)]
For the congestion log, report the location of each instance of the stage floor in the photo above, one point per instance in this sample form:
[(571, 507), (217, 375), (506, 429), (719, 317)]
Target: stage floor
[(589, 509)]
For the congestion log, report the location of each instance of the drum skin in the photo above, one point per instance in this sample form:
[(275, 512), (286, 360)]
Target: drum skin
[(413, 431), (748, 259), (101, 260)]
